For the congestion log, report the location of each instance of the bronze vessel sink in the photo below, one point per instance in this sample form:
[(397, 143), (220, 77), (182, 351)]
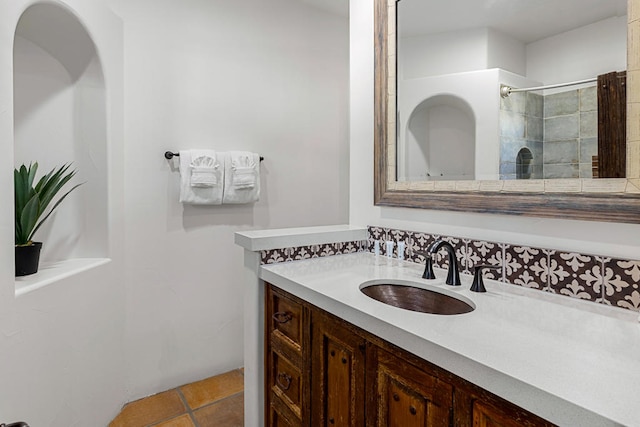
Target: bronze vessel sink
[(412, 298)]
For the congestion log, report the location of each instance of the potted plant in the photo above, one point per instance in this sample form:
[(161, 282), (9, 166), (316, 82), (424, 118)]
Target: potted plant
[(31, 205)]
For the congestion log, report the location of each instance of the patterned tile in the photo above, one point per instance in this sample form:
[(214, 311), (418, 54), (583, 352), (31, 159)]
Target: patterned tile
[(576, 275), (479, 252), (417, 244), (526, 266), (274, 256), (622, 283), (353, 247), (465, 256), (442, 257), (379, 234)]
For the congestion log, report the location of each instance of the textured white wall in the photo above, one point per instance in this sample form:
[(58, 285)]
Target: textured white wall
[(269, 77), (579, 54), (63, 346), (589, 237)]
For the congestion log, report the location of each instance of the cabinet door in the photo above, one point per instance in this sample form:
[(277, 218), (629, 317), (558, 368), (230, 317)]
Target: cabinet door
[(407, 396), (338, 367), (504, 414), (487, 416)]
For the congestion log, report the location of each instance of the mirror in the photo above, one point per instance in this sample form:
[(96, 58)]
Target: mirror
[(473, 184), (449, 102)]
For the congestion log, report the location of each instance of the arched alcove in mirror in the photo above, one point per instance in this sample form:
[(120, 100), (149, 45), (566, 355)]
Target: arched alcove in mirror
[(524, 163), (435, 128), (60, 117)]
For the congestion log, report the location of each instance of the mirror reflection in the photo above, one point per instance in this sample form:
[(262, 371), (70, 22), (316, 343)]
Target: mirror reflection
[(453, 123)]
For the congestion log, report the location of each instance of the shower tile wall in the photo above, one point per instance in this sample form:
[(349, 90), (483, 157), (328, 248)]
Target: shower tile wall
[(521, 126), (570, 133), (560, 131)]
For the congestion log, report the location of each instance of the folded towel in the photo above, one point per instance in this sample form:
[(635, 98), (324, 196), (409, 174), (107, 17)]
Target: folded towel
[(204, 171), (242, 177), (201, 177)]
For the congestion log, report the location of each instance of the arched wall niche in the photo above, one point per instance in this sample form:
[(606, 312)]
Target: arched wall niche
[(60, 117), (438, 126), (524, 161)]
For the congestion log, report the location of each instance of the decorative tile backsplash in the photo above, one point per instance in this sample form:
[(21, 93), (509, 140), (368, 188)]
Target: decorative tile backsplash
[(599, 279), (312, 251), (594, 278)]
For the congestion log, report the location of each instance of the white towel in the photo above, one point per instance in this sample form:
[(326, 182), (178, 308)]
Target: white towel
[(204, 171), (242, 177), (201, 177)]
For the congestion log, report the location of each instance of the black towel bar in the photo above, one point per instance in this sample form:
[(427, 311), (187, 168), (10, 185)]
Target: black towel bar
[(170, 155)]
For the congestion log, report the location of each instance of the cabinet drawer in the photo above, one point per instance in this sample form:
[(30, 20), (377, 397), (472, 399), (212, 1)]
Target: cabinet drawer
[(286, 317), (286, 382), (281, 416)]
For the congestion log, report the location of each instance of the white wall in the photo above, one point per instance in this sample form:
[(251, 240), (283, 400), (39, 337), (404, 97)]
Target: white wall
[(431, 55), (63, 346), (458, 52), (506, 52), (590, 237), (579, 54), (269, 77)]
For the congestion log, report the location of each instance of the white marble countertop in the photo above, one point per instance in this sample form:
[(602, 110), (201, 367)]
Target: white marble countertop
[(572, 362)]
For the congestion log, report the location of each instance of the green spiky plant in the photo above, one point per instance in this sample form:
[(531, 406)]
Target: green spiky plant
[(31, 202)]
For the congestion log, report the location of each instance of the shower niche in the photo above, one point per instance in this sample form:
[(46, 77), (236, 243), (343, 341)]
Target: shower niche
[(60, 116)]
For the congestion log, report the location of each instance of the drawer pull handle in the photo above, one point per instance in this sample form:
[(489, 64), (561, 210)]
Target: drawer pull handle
[(282, 317), (412, 409), (396, 397), (284, 381)]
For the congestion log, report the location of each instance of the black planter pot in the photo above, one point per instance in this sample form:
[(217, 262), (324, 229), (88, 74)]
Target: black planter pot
[(27, 259)]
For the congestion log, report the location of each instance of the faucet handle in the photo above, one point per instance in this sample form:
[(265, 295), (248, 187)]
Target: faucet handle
[(478, 282), (428, 267)]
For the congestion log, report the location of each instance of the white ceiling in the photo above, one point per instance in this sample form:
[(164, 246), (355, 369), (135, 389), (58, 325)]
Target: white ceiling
[(526, 20)]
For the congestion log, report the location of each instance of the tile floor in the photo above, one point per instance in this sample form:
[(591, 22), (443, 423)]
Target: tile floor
[(213, 402)]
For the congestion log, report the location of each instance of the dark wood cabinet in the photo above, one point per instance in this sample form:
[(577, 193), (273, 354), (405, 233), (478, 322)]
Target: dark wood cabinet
[(406, 395), (487, 416), (286, 360), (338, 373), (323, 371)]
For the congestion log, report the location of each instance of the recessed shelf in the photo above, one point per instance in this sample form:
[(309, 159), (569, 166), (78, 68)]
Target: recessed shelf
[(54, 271)]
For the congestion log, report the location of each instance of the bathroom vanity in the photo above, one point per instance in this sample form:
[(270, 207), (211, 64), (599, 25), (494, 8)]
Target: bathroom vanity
[(322, 370), (317, 348), (518, 353)]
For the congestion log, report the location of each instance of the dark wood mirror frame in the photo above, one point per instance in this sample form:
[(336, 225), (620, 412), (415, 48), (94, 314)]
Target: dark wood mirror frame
[(612, 200)]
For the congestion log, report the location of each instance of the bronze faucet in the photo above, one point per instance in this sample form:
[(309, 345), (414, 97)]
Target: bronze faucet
[(453, 276)]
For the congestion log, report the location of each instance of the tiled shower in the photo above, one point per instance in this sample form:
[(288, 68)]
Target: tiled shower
[(548, 136)]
